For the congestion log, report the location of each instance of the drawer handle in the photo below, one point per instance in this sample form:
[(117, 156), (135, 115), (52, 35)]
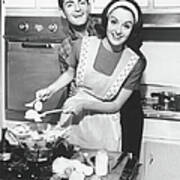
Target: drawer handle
[(36, 45), (151, 159)]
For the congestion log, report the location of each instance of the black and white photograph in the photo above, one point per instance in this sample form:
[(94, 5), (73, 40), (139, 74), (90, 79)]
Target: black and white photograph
[(89, 89)]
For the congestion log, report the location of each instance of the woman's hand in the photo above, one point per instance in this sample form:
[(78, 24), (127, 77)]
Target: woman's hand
[(74, 105), (44, 94)]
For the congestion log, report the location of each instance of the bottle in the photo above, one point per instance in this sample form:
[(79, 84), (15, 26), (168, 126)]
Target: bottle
[(101, 163), (3, 142)]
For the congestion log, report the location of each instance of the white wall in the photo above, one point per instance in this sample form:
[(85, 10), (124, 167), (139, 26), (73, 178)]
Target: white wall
[(163, 63)]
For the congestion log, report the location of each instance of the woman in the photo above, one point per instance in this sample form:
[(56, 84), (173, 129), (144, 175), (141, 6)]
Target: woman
[(107, 72)]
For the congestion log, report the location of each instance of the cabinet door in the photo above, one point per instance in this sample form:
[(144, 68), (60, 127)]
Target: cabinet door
[(167, 3), (20, 3), (47, 3), (143, 3), (98, 5), (162, 161)]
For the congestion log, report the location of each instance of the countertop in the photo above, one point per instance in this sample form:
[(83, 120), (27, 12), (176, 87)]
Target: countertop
[(161, 114), (117, 168)]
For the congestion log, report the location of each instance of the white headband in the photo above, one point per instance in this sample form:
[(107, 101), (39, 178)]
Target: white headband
[(125, 4)]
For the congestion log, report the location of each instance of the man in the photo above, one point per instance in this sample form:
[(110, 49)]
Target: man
[(79, 23), (76, 25)]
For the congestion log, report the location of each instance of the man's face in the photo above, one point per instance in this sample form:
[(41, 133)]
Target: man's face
[(76, 11)]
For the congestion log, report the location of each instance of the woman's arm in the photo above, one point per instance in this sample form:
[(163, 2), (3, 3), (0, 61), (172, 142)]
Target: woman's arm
[(108, 107), (77, 105)]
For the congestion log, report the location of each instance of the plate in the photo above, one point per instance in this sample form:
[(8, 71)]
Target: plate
[(21, 130)]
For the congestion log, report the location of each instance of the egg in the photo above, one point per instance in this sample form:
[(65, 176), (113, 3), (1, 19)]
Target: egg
[(32, 114), (75, 175), (95, 177), (38, 106)]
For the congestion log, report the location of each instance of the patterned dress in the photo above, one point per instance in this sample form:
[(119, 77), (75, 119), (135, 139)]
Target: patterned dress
[(99, 130)]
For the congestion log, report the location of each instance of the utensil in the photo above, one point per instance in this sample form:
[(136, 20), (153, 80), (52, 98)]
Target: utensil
[(31, 104), (32, 114)]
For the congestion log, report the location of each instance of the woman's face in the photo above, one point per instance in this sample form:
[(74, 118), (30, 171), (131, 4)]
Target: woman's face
[(119, 27), (76, 11)]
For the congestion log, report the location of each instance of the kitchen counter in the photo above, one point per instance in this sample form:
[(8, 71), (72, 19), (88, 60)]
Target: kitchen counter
[(161, 115), (117, 169), (45, 167)]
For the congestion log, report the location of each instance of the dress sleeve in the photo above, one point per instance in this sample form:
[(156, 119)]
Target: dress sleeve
[(73, 58), (133, 81)]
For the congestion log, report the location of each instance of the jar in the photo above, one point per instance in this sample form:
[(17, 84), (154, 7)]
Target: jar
[(101, 163)]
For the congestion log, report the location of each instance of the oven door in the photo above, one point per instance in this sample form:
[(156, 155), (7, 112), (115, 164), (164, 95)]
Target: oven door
[(29, 67)]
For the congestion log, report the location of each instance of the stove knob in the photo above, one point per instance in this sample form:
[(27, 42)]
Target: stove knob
[(53, 27), (23, 27)]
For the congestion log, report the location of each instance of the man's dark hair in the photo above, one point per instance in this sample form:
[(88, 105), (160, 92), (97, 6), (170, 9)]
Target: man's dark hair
[(60, 3)]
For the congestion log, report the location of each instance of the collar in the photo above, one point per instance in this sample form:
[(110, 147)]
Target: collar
[(90, 30)]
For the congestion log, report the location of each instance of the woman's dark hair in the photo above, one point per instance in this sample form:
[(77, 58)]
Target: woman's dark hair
[(135, 40), (60, 3)]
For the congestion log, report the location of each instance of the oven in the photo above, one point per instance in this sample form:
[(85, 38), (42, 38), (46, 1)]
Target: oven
[(31, 61)]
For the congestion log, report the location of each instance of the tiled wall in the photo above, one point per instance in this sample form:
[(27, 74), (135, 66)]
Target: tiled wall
[(163, 66)]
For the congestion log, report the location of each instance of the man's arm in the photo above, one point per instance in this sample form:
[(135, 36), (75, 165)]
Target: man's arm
[(63, 80)]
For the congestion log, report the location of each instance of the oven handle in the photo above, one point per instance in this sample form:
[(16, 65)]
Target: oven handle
[(36, 45)]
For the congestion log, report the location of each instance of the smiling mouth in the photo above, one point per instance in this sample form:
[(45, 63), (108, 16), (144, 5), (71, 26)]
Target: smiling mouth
[(117, 37), (78, 16)]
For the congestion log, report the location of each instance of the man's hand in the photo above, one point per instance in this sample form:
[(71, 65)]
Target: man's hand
[(44, 94)]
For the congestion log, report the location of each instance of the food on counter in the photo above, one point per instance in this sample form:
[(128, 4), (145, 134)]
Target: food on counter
[(38, 106), (101, 163), (75, 175), (56, 132), (61, 165), (32, 114), (5, 156), (95, 177), (21, 130)]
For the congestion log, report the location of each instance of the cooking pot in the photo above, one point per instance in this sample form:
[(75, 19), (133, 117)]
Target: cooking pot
[(38, 153), (42, 151), (177, 102)]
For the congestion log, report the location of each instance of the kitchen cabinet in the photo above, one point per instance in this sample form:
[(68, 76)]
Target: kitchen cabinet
[(20, 3), (32, 8), (147, 6), (165, 4), (162, 161), (98, 5), (47, 3), (160, 150), (170, 6), (143, 3), (50, 7)]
